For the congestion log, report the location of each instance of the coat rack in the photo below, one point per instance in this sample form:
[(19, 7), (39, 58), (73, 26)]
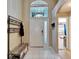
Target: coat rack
[(15, 22)]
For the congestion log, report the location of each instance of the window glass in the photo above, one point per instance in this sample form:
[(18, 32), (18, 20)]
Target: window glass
[(39, 12)]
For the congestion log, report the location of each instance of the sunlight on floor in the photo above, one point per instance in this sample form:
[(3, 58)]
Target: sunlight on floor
[(65, 54), (41, 53)]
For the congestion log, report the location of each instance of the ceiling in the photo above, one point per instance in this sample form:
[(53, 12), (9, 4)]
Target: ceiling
[(65, 8)]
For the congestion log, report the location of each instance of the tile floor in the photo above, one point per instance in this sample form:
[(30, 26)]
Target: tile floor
[(65, 54), (41, 53)]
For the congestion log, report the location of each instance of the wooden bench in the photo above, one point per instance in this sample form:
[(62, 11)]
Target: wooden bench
[(19, 51)]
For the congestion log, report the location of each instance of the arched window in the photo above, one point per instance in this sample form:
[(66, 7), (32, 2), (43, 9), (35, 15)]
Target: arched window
[(39, 9)]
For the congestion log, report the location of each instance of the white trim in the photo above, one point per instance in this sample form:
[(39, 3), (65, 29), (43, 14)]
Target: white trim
[(39, 2)]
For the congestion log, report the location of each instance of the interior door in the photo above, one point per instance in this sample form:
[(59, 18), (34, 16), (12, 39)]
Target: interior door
[(36, 32)]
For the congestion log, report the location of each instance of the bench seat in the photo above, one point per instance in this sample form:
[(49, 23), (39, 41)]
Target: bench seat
[(20, 51)]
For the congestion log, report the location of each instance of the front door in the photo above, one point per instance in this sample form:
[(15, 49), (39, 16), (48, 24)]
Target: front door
[(36, 33)]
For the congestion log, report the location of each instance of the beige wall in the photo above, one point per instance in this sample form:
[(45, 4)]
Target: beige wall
[(54, 20), (69, 33), (52, 4), (14, 40), (26, 19), (14, 8)]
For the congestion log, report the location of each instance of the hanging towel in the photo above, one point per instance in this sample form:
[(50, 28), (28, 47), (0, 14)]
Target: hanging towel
[(65, 29), (21, 32)]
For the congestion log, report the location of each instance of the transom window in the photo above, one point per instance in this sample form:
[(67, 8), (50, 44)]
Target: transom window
[(39, 9)]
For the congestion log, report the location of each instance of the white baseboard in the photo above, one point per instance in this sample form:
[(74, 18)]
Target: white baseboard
[(51, 48)]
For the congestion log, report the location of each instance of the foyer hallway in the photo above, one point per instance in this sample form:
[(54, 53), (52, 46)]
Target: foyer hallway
[(39, 25), (41, 53)]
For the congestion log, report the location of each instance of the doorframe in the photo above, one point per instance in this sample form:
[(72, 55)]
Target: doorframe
[(69, 37)]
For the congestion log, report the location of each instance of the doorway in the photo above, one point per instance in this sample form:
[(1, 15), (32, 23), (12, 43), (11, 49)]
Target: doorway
[(62, 33), (38, 24)]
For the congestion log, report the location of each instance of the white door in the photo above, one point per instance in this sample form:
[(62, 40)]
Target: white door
[(36, 32)]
